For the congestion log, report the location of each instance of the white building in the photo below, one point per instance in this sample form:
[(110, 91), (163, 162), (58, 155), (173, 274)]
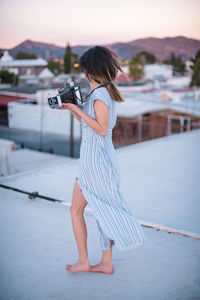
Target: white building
[(29, 70), (22, 66), (158, 71)]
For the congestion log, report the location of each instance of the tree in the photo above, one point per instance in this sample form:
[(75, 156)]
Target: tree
[(70, 61), (195, 80), (8, 77), (171, 60), (136, 67), (25, 55), (54, 66), (146, 57), (67, 60), (177, 64), (194, 60)]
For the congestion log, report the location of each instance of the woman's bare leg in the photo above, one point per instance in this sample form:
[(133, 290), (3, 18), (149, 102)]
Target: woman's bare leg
[(105, 265), (80, 230)]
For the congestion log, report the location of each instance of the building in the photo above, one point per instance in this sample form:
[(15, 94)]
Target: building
[(5, 99), (160, 72), (22, 66), (151, 125), (30, 71)]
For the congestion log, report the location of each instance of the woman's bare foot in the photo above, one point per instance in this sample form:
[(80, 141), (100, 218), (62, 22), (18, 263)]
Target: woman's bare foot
[(103, 267), (78, 267)]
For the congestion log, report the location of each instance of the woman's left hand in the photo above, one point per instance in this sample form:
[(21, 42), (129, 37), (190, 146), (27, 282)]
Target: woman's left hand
[(70, 106)]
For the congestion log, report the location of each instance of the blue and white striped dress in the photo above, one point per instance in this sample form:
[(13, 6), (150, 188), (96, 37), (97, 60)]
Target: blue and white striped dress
[(99, 180)]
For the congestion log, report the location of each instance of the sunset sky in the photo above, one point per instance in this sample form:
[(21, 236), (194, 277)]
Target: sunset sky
[(96, 22)]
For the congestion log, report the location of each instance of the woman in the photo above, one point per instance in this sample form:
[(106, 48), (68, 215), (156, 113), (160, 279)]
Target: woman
[(98, 183)]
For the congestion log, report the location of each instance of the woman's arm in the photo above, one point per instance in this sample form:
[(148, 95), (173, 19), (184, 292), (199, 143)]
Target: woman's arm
[(100, 125), (77, 116)]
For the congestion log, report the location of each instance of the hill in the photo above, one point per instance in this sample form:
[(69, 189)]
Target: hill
[(160, 47)]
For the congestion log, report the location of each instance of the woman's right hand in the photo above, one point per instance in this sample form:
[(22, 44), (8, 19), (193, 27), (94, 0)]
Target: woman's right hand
[(62, 107)]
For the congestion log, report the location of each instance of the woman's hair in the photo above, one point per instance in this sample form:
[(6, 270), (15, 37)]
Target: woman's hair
[(102, 65)]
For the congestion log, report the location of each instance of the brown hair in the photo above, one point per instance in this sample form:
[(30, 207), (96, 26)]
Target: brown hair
[(102, 65)]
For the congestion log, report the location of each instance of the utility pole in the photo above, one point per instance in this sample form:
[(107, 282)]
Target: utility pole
[(71, 115), (71, 135), (72, 72), (41, 120)]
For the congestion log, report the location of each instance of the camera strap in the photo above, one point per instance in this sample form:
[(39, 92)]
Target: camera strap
[(102, 85)]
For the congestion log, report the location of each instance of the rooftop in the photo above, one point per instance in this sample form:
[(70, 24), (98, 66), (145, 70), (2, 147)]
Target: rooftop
[(160, 181), (8, 61)]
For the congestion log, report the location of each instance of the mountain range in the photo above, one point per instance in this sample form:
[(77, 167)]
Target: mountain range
[(160, 47)]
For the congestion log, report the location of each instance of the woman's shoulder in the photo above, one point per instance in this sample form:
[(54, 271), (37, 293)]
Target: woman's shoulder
[(102, 94), (101, 90)]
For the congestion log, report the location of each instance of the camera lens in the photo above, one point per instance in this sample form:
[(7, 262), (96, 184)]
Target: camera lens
[(52, 100)]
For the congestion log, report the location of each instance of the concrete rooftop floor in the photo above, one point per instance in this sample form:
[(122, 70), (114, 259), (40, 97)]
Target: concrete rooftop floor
[(37, 241), (37, 238)]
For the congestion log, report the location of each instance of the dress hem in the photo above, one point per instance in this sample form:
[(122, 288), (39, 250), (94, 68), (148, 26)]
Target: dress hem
[(115, 245), (126, 248)]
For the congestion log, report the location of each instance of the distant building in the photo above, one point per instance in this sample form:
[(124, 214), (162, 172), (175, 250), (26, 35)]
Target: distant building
[(60, 60), (188, 65), (125, 79), (153, 72), (151, 125), (22, 66), (30, 71), (159, 72), (5, 98)]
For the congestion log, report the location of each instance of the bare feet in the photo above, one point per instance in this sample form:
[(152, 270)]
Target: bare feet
[(78, 267), (103, 267)]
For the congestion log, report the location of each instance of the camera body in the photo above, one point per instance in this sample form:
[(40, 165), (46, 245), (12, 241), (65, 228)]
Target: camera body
[(69, 94)]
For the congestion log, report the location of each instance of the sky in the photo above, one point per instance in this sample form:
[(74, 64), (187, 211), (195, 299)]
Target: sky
[(85, 22)]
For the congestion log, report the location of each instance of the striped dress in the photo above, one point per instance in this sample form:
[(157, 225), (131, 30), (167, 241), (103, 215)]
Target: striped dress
[(99, 180)]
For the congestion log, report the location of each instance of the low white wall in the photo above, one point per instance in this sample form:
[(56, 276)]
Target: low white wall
[(42, 118)]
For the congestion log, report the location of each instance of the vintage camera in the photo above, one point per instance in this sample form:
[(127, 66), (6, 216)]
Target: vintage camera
[(71, 93)]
